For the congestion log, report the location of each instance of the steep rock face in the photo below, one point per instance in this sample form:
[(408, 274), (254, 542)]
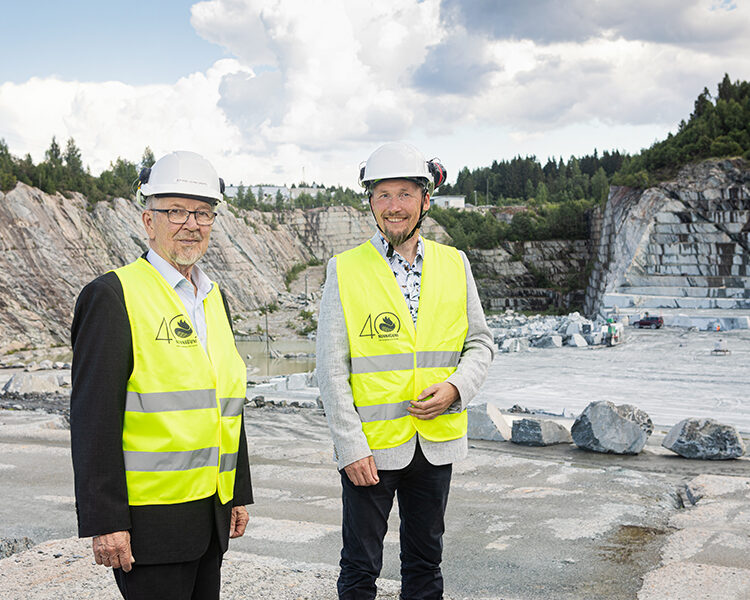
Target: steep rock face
[(528, 275), (682, 244), (53, 245)]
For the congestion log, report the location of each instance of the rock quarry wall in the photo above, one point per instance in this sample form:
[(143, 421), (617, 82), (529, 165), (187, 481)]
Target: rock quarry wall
[(683, 244), (531, 276), (52, 245)]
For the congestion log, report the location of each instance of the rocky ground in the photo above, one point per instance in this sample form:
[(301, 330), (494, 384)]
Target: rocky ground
[(523, 522), (288, 320)]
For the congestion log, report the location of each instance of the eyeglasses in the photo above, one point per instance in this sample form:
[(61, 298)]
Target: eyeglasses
[(179, 216), (387, 196)]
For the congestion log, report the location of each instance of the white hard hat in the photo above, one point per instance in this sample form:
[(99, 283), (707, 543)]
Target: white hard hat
[(399, 160), (182, 173)]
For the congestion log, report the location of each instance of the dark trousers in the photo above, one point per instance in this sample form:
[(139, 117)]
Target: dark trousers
[(422, 491), (198, 579)]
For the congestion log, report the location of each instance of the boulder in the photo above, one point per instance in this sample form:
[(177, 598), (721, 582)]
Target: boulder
[(706, 439), (45, 365), (577, 341), (605, 427), (278, 383), (32, 383), (486, 422), (538, 432), (594, 338), (296, 381), (549, 341), (514, 345)]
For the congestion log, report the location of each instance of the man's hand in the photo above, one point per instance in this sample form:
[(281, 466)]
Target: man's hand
[(363, 472), (238, 521), (113, 550), (443, 395)]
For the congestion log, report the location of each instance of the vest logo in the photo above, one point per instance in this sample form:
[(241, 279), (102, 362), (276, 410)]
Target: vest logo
[(385, 326), (177, 330)]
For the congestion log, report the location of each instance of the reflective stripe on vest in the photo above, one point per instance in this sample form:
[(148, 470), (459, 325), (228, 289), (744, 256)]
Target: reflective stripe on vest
[(391, 361), (397, 362), (183, 411)]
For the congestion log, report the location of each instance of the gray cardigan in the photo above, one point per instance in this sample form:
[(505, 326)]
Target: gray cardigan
[(333, 369)]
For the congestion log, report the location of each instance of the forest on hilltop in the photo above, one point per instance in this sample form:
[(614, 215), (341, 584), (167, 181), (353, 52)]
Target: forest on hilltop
[(555, 200)]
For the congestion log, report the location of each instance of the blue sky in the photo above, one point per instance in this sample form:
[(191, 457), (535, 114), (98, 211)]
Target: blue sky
[(269, 89), (137, 42)]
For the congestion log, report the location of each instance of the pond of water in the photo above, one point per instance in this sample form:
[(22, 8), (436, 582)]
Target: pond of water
[(255, 355)]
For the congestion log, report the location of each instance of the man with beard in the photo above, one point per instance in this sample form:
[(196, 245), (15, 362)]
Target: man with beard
[(157, 435), (402, 348)]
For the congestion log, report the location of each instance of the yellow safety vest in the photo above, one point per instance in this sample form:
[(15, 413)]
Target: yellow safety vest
[(183, 409), (391, 361)]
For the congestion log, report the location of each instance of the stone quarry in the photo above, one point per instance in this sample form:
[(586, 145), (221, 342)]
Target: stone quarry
[(683, 244)]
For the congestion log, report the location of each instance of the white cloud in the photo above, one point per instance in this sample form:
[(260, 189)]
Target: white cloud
[(317, 84), (115, 119)]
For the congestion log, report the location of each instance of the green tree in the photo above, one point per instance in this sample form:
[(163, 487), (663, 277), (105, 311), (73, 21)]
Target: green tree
[(250, 201), (542, 193), (717, 127), (600, 186), (147, 159), (53, 155), (239, 198), (7, 168), (75, 177)]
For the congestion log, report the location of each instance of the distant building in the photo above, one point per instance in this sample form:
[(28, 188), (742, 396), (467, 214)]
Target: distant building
[(311, 191), (269, 192), (449, 201)]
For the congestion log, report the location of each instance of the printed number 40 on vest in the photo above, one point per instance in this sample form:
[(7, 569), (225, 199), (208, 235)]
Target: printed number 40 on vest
[(385, 325)]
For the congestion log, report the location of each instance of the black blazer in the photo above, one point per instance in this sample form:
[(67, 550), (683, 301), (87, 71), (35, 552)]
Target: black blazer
[(102, 363)]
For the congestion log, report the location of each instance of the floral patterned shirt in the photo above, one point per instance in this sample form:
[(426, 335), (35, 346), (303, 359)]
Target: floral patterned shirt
[(408, 276)]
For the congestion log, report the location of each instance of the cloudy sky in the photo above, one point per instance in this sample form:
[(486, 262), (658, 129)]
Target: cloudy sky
[(274, 90)]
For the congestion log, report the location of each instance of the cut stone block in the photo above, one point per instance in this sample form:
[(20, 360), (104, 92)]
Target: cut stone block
[(577, 341), (486, 422), (33, 383), (549, 341), (296, 381), (514, 345), (538, 432)]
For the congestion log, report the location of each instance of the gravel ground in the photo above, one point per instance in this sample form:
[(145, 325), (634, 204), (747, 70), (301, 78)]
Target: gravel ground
[(70, 572)]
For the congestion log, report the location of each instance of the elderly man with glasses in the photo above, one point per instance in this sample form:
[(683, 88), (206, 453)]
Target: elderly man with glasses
[(157, 434)]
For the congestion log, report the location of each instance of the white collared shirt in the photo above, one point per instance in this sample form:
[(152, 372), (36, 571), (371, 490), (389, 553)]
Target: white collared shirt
[(192, 300)]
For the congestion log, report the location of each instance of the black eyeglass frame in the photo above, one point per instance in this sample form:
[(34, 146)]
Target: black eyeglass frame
[(171, 212)]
